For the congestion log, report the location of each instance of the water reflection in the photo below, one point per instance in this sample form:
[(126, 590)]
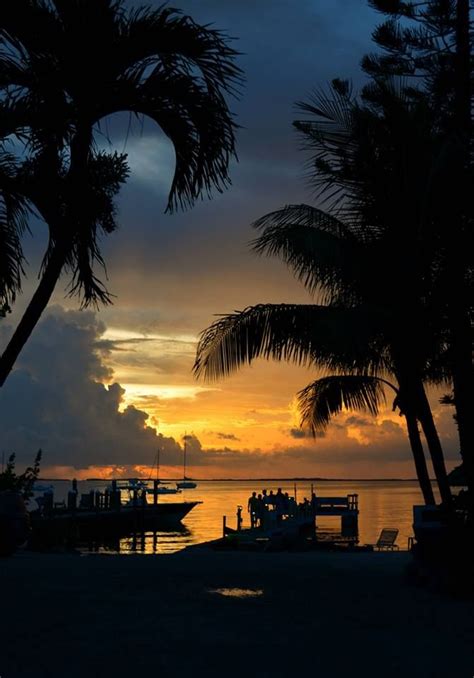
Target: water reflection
[(149, 542), (381, 504)]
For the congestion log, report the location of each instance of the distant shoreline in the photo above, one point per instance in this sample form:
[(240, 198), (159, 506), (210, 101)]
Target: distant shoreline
[(252, 480)]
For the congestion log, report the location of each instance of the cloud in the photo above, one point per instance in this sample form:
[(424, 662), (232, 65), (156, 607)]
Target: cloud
[(56, 400), (227, 436), (305, 433), (355, 420)]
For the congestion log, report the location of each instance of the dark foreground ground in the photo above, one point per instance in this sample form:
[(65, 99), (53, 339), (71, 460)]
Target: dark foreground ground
[(320, 615)]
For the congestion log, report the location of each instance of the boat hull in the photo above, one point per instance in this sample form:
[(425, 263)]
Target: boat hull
[(128, 519)]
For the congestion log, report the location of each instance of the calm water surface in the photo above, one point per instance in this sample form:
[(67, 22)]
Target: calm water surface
[(381, 504)]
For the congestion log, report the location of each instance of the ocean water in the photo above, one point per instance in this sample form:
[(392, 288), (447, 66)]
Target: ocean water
[(381, 504)]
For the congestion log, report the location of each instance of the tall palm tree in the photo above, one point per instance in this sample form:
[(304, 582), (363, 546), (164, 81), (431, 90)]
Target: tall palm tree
[(371, 172), (65, 65), (429, 44)]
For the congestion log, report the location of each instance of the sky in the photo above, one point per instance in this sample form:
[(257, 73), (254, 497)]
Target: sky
[(99, 392)]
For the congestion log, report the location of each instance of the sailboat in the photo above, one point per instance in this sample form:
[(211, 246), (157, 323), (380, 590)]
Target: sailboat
[(186, 483), (161, 489)]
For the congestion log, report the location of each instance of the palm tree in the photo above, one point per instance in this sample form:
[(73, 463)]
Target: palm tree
[(64, 67), (372, 170), (334, 339), (429, 45), (327, 396)]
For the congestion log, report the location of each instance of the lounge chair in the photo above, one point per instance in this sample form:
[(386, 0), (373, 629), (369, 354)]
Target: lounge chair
[(387, 540)]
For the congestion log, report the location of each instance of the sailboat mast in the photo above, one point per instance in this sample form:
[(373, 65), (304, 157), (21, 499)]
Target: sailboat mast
[(184, 459)]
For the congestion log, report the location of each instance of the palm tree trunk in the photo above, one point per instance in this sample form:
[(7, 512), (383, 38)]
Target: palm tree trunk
[(416, 403), (406, 408), (419, 458), (461, 330), (425, 417), (34, 310), (463, 389), (80, 150)]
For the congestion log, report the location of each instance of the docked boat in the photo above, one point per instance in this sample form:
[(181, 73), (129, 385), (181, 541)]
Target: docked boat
[(100, 513)]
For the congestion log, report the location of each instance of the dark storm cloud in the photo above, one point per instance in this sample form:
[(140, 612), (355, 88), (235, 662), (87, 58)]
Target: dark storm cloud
[(54, 400)]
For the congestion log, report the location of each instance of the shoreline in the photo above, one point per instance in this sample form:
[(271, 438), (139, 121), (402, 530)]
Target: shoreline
[(247, 480), (336, 613)]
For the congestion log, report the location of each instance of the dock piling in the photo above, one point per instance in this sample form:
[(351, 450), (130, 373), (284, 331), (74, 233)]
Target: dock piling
[(239, 518)]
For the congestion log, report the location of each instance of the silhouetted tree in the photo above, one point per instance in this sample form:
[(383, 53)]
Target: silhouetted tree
[(23, 482), (64, 67), (370, 159), (342, 341), (326, 397), (429, 44)]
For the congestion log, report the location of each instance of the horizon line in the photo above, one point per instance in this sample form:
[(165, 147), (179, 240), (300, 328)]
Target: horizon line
[(293, 479)]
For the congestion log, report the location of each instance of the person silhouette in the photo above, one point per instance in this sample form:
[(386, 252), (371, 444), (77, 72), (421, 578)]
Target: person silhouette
[(252, 508), (261, 508), (279, 502)]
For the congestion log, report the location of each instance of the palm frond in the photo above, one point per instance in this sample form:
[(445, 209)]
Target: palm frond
[(14, 211), (325, 398), (318, 248), (181, 71), (106, 174), (328, 135), (306, 334)]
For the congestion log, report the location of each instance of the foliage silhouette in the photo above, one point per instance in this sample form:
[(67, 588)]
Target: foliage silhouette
[(23, 482), (356, 148), (55, 92)]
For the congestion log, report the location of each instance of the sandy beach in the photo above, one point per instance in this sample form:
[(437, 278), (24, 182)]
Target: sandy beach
[(324, 614)]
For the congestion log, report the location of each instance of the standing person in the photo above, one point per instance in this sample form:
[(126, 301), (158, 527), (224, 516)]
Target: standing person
[(261, 508), (279, 505), (252, 508), (314, 503), (264, 497)]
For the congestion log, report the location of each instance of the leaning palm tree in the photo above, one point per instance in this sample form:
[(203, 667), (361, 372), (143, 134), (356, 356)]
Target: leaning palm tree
[(64, 67), (338, 340), (343, 259), (326, 397)]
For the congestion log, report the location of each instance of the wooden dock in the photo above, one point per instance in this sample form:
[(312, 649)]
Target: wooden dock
[(301, 523)]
